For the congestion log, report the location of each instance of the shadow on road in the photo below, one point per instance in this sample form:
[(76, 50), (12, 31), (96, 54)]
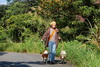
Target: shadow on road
[(13, 64), (20, 64), (2, 53)]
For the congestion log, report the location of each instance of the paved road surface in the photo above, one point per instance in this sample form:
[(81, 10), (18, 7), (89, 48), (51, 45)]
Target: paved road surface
[(25, 60)]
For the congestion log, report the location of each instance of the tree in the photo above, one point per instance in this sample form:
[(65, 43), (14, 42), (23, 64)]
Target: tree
[(64, 12), (3, 9), (12, 10)]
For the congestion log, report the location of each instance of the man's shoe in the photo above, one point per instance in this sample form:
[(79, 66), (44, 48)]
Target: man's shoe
[(48, 62), (52, 62)]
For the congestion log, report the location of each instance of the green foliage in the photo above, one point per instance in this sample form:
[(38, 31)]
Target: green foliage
[(20, 18), (64, 12), (25, 25), (19, 22), (16, 8), (86, 11), (32, 45), (2, 34), (81, 37), (81, 56), (2, 10)]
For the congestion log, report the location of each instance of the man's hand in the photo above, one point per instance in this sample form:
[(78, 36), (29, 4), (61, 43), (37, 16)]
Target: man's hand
[(59, 38), (41, 40)]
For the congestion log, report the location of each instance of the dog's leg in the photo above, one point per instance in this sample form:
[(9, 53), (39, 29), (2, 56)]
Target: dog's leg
[(43, 60), (63, 61), (46, 60)]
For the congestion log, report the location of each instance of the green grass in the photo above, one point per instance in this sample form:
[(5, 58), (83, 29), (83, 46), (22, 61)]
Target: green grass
[(30, 45), (85, 56), (81, 56)]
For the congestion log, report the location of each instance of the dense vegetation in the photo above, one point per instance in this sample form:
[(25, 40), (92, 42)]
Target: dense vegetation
[(23, 22)]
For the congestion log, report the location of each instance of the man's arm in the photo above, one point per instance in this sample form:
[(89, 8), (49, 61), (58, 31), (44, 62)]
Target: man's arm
[(46, 34), (58, 35)]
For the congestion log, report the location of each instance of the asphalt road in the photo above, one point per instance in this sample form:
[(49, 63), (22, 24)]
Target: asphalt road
[(11, 59)]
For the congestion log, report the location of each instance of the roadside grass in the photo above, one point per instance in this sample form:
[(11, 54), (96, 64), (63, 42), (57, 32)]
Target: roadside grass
[(85, 56), (30, 45)]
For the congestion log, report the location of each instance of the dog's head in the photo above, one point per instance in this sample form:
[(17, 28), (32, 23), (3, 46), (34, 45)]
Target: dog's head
[(45, 52), (63, 54)]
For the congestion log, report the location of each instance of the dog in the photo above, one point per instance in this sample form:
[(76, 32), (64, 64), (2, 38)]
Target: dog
[(62, 56), (45, 56)]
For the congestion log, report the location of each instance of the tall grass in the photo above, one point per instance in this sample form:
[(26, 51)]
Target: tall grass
[(84, 56), (32, 45)]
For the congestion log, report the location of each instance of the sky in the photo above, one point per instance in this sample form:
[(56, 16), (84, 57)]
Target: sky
[(3, 2)]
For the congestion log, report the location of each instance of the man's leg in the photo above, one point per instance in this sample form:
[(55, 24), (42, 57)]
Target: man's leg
[(53, 51), (50, 51)]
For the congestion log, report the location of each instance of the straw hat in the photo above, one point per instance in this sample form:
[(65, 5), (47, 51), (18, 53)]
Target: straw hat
[(52, 23)]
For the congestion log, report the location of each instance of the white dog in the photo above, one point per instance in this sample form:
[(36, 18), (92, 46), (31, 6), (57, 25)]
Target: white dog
[(62, 56)]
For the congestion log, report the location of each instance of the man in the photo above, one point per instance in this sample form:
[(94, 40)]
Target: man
[(51, 36)]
